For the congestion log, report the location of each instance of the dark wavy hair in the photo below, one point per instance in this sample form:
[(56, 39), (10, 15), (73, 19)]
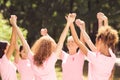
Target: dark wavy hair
[(3, 46)]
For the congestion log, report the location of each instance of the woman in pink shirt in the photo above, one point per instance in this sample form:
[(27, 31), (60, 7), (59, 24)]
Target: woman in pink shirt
[(73, 61), (7, 68), (101, 58), (23, 64), (45, 52)]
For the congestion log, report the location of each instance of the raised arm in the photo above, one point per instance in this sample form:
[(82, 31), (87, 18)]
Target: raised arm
[(105, 20), (81, 25), (17, 53), (70, 19), (81, 35), (13, 21), (12, 44), (82, 47), (102, 19)]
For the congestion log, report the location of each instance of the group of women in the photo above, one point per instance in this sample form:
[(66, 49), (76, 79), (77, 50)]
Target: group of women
[(38, 62)]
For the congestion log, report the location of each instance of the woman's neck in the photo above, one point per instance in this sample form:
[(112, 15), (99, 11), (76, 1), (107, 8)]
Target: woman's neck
[(105, 51), (71, 52)]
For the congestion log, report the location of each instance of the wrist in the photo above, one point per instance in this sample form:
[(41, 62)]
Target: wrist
[(14, 25), (68, 24), (44, 34)]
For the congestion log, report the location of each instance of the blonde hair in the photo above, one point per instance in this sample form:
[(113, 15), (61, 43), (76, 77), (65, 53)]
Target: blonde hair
[(108, 35)]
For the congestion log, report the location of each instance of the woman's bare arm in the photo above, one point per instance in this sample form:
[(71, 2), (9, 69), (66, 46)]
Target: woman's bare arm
[(70, 19), (24, 42), (82, 47), (12, 43), (81, 25)]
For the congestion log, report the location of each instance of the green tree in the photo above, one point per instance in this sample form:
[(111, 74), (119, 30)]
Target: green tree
[(6, 29), (35, 14)]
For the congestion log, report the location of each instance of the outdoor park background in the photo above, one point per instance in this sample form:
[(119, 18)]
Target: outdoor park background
[(36, 14)]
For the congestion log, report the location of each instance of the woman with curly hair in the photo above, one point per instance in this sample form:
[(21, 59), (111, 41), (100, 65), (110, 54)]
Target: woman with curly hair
[(101, 58), (45, 51)]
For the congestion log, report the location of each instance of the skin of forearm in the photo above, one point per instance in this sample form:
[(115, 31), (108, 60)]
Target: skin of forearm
[(88, 40), (78, 42), (24, 42), (12, 43)]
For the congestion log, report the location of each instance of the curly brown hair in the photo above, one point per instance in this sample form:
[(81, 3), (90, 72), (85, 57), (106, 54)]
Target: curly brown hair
[(42, 50), (108, 35)]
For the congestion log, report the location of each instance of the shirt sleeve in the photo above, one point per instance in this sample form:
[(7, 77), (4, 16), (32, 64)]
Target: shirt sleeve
[(5, 59), (63, 53), (30, 56), (54, 57), (91, 56)]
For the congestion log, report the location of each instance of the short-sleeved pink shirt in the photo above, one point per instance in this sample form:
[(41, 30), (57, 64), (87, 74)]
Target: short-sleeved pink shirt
[(7, 69), (72, 66), (25, 69), (47, 71), (100, 66)]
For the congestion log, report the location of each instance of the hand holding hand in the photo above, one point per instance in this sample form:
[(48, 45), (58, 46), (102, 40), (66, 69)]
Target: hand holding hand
[(71, 17), (43, 31), (101, 16), (102, 19), (13, 20), (80, 24)]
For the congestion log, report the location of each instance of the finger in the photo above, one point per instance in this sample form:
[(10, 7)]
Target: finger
[(74, 14), (66, 17)]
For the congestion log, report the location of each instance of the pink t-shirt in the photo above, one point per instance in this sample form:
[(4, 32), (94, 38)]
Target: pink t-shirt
[(25, 69), (0, 60), (72, 66), (7, 69), (0, 63), (47, 71), (100, 66)]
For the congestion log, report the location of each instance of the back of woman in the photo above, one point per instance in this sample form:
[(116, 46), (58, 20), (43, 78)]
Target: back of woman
[(43, 62), (47, 70), (100, 66), (7, 69)]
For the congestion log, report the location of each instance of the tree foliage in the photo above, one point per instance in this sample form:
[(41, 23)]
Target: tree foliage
[(6, 30), (35, 14)]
